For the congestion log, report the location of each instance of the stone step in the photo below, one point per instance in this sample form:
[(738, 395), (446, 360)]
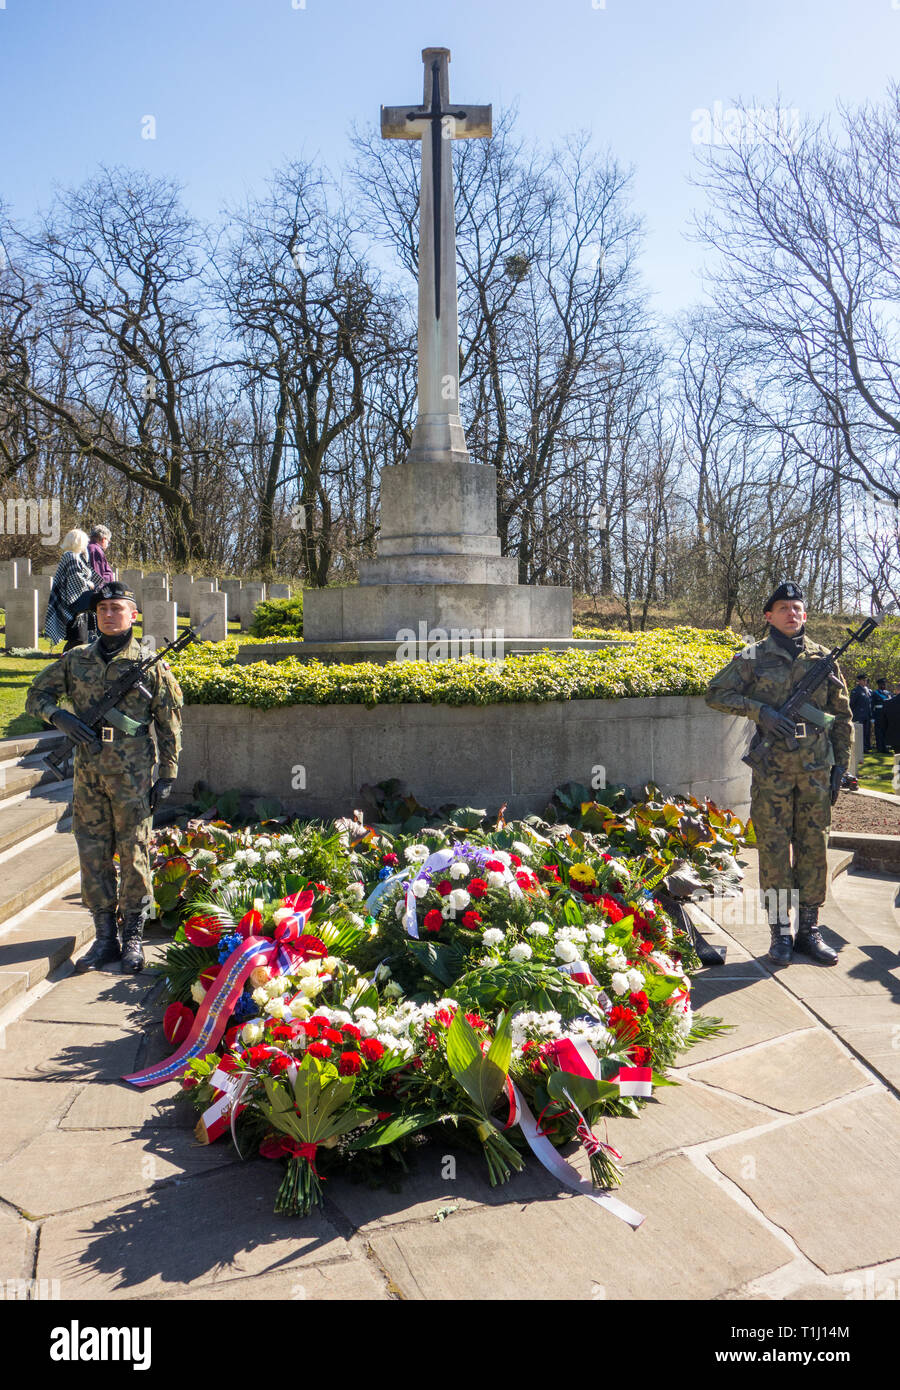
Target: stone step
[(35, 871), (45, 807), (43, 941), (15, 780), (25, 745)]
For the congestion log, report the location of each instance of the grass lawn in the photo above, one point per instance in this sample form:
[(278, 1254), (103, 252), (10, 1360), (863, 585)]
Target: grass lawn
[(876, 772)]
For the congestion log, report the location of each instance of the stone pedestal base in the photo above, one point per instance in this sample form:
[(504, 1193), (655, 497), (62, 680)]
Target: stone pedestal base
[(381, 612)]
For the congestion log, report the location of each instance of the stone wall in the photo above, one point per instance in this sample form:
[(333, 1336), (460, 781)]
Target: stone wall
[(314, 758)]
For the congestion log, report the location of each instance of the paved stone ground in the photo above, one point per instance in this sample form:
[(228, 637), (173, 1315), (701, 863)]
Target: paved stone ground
[(771, 1172)]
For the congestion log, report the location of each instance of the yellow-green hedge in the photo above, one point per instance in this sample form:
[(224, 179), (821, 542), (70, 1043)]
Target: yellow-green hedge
[(671, 661)]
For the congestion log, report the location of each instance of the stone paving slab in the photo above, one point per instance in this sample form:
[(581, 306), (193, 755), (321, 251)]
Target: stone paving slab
[(869, 969), (28, 1109), (113, 1105), (199, 1236), (102, 996), (67, 1052), (15, 1256), (573, 1250), (65, 1169), (356, 1281), (757, 1007), (830, 1180), (792, 1074), (677, 1117), (879, 1044)]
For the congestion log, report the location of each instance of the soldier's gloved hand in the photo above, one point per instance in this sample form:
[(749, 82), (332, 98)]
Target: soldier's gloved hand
[(837, 776), (160, 791), (774, 723), (72, 726)]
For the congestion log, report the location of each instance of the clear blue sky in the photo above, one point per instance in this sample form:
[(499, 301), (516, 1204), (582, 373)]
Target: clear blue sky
[(236, 86)]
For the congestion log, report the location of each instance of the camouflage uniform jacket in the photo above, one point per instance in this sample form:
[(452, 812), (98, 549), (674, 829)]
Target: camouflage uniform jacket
[(81, 676), (763, 673)]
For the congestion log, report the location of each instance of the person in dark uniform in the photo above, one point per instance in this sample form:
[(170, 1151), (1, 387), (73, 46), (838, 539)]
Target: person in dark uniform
[(861, 707), (791, 800)]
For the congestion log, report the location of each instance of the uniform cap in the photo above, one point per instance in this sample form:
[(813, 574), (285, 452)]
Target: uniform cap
[(112, 589), (788, 590)]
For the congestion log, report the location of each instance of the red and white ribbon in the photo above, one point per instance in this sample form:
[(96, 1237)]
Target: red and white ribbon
[(634, 1081)]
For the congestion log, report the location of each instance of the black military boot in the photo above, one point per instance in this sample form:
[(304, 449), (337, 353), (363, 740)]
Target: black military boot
[(780, 947), (106, 948), (132, 937), (809, 940)]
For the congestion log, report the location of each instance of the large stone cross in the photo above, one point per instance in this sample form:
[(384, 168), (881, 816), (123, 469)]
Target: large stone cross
[(438, 427)]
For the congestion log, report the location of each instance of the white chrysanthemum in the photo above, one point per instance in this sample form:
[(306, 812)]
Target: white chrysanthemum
[(537, 929), (520, 952), (420, 887), (495, 880), (251, 857), (415, 854), (502, 855), (521, 849), (459, 869), (635, 979), (571, 934), (566, 952), (595, 932), (356, 890), (616, 958), (492, 937), (619, 983), (262, 841), (240, 856), (459, 899)]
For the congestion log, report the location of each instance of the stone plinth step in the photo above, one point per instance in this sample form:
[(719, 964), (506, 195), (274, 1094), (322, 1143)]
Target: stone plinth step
[(35, 871), (15, 780), (26, 745), (38, 945), (384, 652), (46, 806)]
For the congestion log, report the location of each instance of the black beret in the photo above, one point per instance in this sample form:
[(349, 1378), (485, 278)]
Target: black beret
[(112, 589), (788, 590)]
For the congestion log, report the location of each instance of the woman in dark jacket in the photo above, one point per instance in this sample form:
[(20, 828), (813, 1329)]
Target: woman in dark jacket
[(73, 584)]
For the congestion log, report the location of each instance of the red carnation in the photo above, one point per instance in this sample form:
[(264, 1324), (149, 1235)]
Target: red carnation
[(433, 920), (640, 1056), (390, 859), (279, 1064), (495, 866), (332, 1035), (645, 948), (516, 861), (477, 888), (228, 1063), (371, 1049), (614, 911), (624, 1023), (471, 920), (350, 1030), (639, 1001), (445, 887), (255, 1055), (319, 1049), (349, 1063)]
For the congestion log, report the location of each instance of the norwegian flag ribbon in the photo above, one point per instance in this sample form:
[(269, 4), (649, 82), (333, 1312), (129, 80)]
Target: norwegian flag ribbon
[(579, 971), (437, 861), (219, 1002)]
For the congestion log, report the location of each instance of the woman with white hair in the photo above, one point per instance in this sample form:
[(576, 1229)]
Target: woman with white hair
[(73, 584), (100, 539)]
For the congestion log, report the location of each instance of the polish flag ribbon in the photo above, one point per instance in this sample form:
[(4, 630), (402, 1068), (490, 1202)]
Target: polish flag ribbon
[(634, 1081)]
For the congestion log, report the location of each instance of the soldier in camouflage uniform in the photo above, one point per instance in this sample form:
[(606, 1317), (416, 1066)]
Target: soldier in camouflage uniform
[(791, 801), (115, 793)]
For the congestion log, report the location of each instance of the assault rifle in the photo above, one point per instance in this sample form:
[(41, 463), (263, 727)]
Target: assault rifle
[(823, 669), (104, 711)]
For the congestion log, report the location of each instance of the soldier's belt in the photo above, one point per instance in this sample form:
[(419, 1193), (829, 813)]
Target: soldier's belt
[(112, 735)]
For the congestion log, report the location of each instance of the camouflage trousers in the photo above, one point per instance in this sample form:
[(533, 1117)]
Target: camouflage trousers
[(791, 811), (112, 814)]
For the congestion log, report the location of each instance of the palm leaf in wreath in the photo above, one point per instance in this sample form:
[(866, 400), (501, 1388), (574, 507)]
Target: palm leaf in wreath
[(183, 965)]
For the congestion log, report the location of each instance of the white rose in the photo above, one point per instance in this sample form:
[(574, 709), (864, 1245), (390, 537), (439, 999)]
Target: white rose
[(492, 937), (311, 986), (496, 880), (566, 952), (276, 1008), (198, 992), (330, 962), (459, 869), (520, 952), (260, 996), (392, 990), (382, 972), (619, 983), (277, 986), (356, 890), (458, 899), (420, 887), (251, 1033)]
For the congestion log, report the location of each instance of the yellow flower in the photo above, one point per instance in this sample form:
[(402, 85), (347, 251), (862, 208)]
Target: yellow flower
[(582, 873)]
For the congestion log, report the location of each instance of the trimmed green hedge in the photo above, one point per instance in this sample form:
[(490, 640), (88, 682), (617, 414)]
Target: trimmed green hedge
[(671, 661)]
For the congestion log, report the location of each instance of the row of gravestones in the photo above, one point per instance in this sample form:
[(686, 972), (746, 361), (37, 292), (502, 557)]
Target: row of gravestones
[(24, 596)]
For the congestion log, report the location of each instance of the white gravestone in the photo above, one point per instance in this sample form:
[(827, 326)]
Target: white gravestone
[(160, 617), (205, 605), (251, 595), (181, 591), (279, 591), (22, 618)]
